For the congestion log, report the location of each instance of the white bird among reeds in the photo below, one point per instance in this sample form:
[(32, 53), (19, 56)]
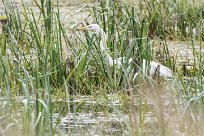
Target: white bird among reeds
[(162, 70)]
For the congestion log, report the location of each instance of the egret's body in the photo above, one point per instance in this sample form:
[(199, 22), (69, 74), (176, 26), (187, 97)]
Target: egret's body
[(163, 71)]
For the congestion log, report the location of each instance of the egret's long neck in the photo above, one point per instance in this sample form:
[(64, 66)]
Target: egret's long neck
[(103, 47), (103, 38)]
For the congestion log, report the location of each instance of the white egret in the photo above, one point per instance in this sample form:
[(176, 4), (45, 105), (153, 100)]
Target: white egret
[(162, 70)]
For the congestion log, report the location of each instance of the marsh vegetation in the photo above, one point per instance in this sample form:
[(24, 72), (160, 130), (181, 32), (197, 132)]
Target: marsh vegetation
[(54, 80)]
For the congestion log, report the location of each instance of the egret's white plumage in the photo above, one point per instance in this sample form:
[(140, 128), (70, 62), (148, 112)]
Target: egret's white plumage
[(163, 71)]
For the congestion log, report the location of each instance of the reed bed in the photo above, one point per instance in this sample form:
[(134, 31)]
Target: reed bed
[(39, 78)]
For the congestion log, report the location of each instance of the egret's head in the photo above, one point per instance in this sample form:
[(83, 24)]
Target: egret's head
[(94, 27)]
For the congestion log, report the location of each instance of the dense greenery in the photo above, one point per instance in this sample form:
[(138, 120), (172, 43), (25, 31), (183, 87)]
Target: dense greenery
[(40, 62)]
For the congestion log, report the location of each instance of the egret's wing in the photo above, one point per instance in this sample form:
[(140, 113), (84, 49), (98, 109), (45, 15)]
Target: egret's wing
[(163, 70)]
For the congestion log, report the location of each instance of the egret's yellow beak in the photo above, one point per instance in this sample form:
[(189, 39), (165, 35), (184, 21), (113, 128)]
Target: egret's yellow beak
[(82, 28)]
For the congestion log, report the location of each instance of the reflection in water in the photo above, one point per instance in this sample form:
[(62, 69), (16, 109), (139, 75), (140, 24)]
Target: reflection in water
[(97, 118)]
